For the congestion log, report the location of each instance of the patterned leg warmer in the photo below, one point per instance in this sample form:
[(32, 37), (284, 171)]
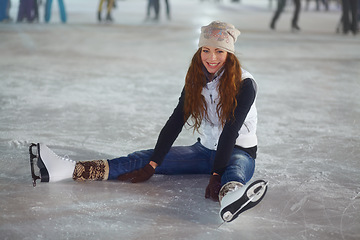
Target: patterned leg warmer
[(91, 170)]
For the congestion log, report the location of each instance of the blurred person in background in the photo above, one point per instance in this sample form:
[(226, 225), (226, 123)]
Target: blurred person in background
[(4, 11), (155, 6), (279, 10), (324, 2), (48, 10), (350, 16), (168, 9), (28, 10), (109, 6)]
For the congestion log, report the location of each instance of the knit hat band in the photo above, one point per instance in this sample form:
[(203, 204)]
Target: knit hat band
[(219, 35)]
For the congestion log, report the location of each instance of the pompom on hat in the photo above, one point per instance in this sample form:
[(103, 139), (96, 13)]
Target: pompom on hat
[(219, 35)]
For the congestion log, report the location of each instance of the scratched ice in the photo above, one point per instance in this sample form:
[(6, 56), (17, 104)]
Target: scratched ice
[(94, 91)]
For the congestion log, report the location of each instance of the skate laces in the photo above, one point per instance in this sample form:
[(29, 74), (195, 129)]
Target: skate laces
[(64, 158), (67, 158)]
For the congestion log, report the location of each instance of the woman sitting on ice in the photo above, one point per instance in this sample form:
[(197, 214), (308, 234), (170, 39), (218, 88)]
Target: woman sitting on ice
[(218, 96)]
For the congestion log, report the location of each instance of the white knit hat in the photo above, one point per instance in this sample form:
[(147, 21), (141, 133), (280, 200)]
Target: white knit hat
[(219, 35)]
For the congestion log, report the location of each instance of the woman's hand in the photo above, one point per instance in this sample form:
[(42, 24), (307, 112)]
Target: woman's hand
[(140, 175), (213, 188)]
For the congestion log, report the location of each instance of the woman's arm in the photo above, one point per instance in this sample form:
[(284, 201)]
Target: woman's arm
[(230, 133)]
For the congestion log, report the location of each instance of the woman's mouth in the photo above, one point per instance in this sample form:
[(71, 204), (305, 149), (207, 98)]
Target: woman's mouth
[(213, 64)]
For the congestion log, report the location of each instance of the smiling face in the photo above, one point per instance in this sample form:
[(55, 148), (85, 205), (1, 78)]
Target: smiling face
[(213, 58)]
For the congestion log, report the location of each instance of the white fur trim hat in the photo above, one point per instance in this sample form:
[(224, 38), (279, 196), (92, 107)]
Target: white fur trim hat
[(219, 35)]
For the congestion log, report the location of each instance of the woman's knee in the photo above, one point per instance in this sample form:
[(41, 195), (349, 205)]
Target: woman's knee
[(241, 168)]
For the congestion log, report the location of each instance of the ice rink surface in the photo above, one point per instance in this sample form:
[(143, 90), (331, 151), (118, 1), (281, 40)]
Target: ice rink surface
[(94, 91)]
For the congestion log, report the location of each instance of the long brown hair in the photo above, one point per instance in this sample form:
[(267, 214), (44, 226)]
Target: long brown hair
[(195, 104)]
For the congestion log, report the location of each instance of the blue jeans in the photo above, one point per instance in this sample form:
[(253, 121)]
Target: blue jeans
[(195, 159)]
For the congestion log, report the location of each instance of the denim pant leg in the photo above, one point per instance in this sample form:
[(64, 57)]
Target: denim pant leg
[(133, 161), (241, 167), (195, 159)]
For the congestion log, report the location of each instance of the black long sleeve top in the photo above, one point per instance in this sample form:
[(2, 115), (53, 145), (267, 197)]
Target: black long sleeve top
[(173, 127)]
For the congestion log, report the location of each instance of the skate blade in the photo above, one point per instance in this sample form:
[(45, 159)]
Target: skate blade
[(41, 169), (254, 193), (32, 162)]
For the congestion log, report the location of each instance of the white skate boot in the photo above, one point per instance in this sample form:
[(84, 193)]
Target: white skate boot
[(52, 167), (236, 198)]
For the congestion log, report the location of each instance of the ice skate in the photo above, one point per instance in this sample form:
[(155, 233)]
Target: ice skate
[(236, 198), (52, 167)]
